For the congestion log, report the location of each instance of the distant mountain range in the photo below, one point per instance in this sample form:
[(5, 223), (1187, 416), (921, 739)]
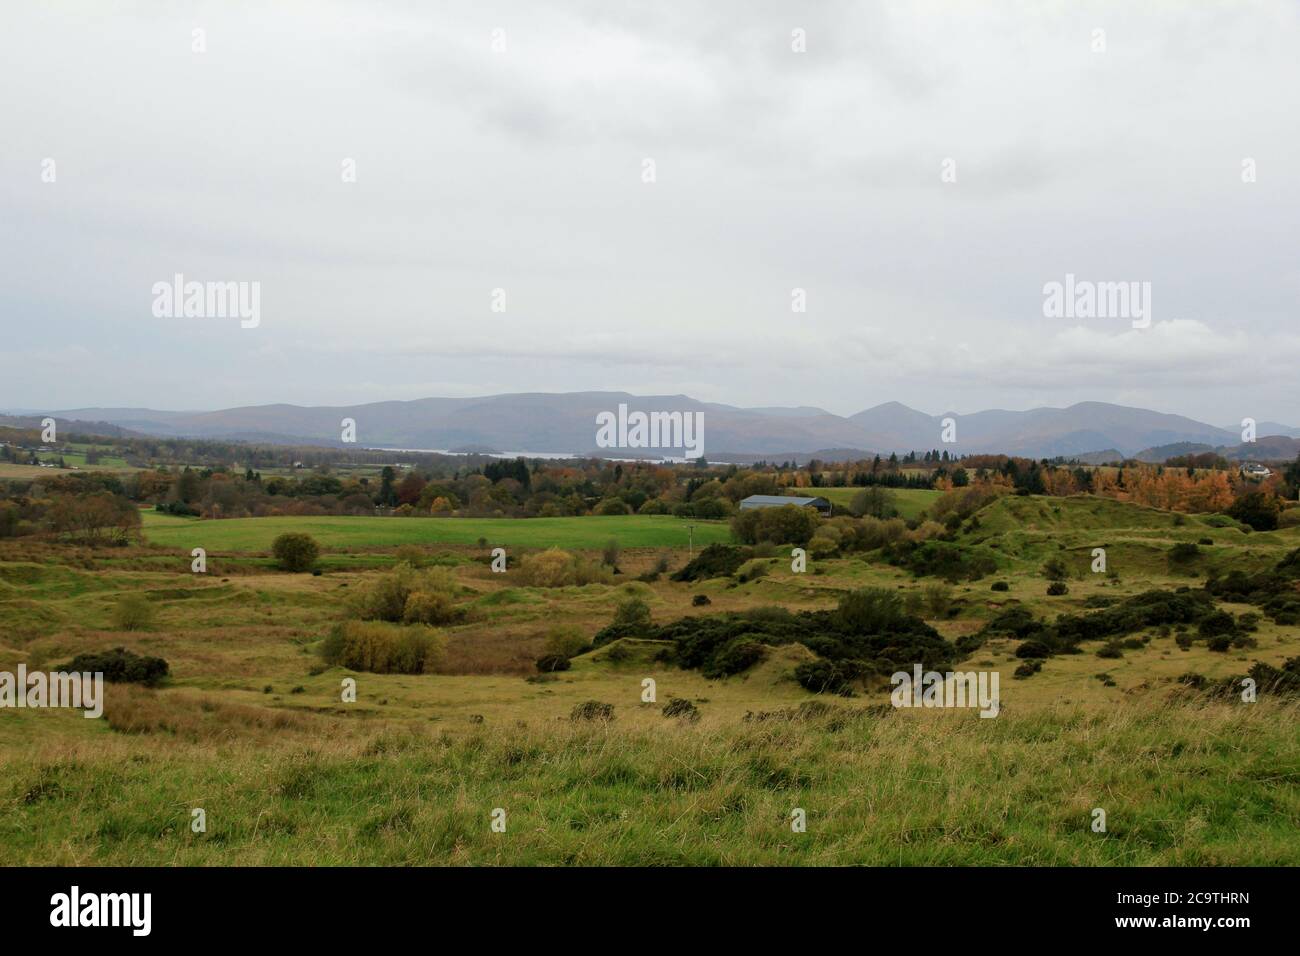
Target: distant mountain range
[(565, 423)]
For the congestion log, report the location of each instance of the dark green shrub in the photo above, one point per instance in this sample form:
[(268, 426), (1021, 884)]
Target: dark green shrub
[(1217, 623), (738, 654), (1055, 569), (1017, 621), (119, 666), (1057, 588), (715, 561), (828, 677), (550, 663), (295, 552)]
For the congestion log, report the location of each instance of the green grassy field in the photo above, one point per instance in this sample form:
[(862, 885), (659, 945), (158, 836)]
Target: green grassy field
[(910, 502), (252, 729), (256, 534)]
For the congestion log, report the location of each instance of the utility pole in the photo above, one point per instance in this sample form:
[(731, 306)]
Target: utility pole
[(690, 548)]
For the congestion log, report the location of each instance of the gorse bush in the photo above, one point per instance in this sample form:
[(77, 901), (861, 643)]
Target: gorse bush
[(737, 655), (829, 677), (1161, 609), (631, 619), (382, 648), (715, 561), (869, 625), (119, 666), (1274, 591), (940, 559), (295, 552), (1055, 569), (633, 612), (550, 663)]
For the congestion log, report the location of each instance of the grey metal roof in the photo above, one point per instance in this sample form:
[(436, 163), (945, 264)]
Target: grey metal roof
[(763, 501)]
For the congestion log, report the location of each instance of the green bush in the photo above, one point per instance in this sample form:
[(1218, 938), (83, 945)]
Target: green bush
[(1055, 569), (869, 625), (430, 607), (550, 663), (1033, 649), (940, 559), (633, 612), (118, 666), (133, 612), (295, 552), (411, 554), (715, 561), (938, 598), (828, 677), (785, 524), (405, 594), (738, 654), (566, 641), (382, 648), (1216, 624)]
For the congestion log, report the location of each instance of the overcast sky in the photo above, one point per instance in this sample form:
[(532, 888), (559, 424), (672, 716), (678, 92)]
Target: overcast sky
[(523, 169)]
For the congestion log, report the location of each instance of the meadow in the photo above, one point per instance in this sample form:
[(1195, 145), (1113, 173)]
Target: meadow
[(366, 532), (252, 729), (909, 502)]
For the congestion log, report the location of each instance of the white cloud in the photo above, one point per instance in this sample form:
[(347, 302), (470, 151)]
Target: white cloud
[(521, 170)]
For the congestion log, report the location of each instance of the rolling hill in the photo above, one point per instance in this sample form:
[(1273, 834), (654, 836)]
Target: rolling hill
[(564, 423)]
